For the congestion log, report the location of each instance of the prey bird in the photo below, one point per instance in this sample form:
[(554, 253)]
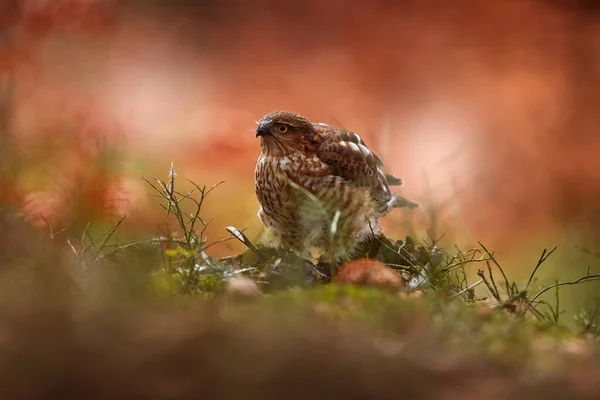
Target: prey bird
[(319, 187)]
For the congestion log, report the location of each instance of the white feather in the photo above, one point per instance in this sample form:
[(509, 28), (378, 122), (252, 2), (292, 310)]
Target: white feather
[(366, 152), (353, 146)]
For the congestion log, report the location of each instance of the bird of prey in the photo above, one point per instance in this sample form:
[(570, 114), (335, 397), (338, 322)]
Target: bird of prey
[(319, 187)]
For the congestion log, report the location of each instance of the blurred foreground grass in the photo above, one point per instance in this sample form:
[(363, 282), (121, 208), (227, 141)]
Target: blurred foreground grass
[(87, 316)]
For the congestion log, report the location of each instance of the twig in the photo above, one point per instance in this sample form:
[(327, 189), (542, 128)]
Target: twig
[(52, 233), (73, 248), (491, 256), (543, 258), (86, 232), (158, 240), (219, 241), (110, 231), (493, 281), (583, 279), (465, 290), (492, 290)]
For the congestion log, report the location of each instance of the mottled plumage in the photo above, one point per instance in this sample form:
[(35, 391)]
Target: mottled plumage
[(308, 172)]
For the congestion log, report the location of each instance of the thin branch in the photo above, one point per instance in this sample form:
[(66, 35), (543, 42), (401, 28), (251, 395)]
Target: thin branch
[(493, 282), (149, 242), (160, 193), (490, 288), (52, 233), (73, 248), (583, 279), (218, 241), (491, 256), (479, 282), (109, 232), (543, 258), (86, 232)]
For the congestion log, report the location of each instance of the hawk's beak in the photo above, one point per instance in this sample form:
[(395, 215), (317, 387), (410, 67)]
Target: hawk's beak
[(264, 128)]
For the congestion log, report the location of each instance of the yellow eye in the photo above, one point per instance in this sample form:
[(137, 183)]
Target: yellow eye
[(282, 128)]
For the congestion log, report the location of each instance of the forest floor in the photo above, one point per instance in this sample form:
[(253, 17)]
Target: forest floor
[(159, 318)]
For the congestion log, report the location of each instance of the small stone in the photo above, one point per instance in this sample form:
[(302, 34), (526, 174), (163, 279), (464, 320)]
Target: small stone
[(241, 288), (370, 273)]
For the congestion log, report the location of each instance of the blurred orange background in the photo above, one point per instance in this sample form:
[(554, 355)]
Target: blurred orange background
[(486, 109)]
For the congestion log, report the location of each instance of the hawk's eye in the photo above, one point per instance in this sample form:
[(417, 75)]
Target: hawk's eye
[(282, 128)]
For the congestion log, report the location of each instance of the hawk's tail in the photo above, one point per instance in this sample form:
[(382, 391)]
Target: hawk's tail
[(396, 202), (392, 180), (402, 202)]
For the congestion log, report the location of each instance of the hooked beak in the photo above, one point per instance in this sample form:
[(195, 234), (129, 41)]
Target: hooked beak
[(264, 127)]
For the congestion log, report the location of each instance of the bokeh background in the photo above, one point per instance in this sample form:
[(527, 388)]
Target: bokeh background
[(487, 109)]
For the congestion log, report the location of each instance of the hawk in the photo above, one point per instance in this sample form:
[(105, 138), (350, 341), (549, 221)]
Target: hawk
[(319, 187)]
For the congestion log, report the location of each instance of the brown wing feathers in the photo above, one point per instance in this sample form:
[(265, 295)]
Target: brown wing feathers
[(348, 161), (348, 157), (345, 135)]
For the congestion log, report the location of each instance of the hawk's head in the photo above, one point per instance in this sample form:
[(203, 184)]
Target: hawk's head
[(284, 132)]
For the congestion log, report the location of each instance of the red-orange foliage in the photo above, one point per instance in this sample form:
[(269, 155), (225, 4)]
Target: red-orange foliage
[(494, 101), (71, 16)]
